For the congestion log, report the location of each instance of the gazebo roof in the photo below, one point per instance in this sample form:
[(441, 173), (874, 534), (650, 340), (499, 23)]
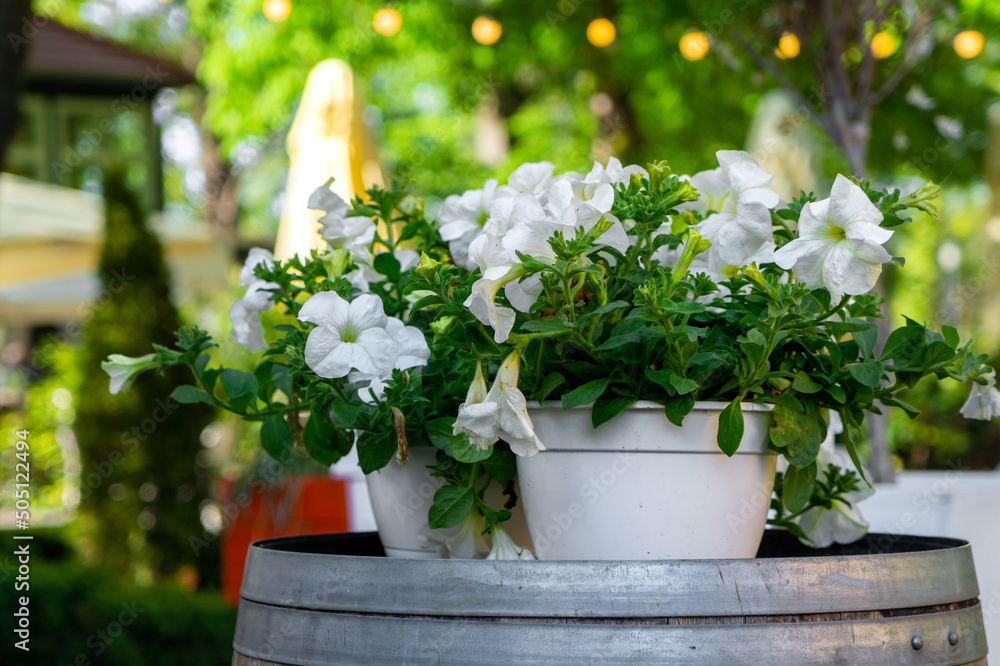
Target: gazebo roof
[(65, 60)]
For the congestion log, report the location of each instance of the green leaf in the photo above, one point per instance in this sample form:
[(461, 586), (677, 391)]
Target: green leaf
[(837, 393), (730, 428), (903, 343), (661, 377), (950, 336), (682, 384), (804, 449), (462, 449), (547, 325), (439, 431), (910, 410), (787, 425), (605, 410), (551, 381), (345, 414), (585, 394), (803, 383), (282, 378), (620, 340), (276, 437), (866, 341), (324, 442), (797, 487), (451, 505), (868, 373), (387, 265), (677, 408), (189, 395), (502, 465), (375, 451), (240, 387)]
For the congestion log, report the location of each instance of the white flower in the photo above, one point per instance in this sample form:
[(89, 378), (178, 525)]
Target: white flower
[(412, 352), (736, 193), (983, 403), (347, 335), (737, 178), (532, 178), (504, 547), (461, 219), (840, 243), (470, 542), (123, 370), (501, 414), (515, 425), (477, 418), (613, 174), (482, 304), (244, 313), (339, 230)]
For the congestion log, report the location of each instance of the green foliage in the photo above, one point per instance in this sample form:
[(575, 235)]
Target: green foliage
[(75, 610), (142, 439)]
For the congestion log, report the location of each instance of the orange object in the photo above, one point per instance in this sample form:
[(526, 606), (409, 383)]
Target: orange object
[(310, 504)]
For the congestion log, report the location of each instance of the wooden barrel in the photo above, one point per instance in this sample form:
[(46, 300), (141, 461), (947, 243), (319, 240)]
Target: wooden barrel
[(334, 599)]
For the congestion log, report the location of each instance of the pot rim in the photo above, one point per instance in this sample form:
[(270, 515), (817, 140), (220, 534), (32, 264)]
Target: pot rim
[(699, 405)]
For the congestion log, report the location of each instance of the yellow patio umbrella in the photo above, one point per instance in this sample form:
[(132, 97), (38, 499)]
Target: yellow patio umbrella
[(328, 138)]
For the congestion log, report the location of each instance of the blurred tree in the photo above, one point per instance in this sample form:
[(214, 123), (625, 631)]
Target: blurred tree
[(141, 482), (17, 27)]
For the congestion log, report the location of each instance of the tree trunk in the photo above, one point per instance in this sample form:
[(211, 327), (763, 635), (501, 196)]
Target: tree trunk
[(17, 27)]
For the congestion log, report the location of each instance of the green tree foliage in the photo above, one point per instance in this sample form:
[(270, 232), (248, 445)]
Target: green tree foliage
[(141, 484)]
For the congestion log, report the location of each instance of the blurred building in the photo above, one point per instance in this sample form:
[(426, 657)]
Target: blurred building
[(87, 107)]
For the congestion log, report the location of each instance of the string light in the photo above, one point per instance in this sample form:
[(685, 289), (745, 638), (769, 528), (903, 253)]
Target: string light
[(969, 43), (387, 21), (694, 45), (486, 31), (788, 46), (276, 10), (883, 44), (601, 32)]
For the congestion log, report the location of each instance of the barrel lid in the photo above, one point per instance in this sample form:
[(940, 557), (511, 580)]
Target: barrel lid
[(347, 573)]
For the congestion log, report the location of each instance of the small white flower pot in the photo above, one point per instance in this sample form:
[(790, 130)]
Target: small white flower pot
[(402, 494), (641, 488)]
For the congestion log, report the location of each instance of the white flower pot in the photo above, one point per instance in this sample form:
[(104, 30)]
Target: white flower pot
[(402, 494), (641, 488)]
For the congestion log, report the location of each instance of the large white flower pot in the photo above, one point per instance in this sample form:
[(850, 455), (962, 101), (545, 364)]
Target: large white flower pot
[(401, 496), (641, 488)]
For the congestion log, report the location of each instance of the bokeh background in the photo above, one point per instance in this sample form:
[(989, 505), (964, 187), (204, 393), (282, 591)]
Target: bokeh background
[(146, 147)]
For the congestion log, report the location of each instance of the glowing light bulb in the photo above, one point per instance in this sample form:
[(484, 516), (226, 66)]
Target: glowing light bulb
[(883, 44), (694, 45), (788, 46), (601, 32), (276, 10), (486, 31), (387, 21), (969, 43)]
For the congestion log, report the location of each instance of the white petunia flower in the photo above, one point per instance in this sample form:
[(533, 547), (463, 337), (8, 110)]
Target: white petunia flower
[(477, 418), (841, 523), (840, 243), (470, 542), (504, 547), (339, 230), (983, 403), (532, 178), (244, 315), (737, 195), (500, 414), (613, 174), (413, 352), (124, 369), (461, 218), (482, 304), (514, 425), (347, 335)]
